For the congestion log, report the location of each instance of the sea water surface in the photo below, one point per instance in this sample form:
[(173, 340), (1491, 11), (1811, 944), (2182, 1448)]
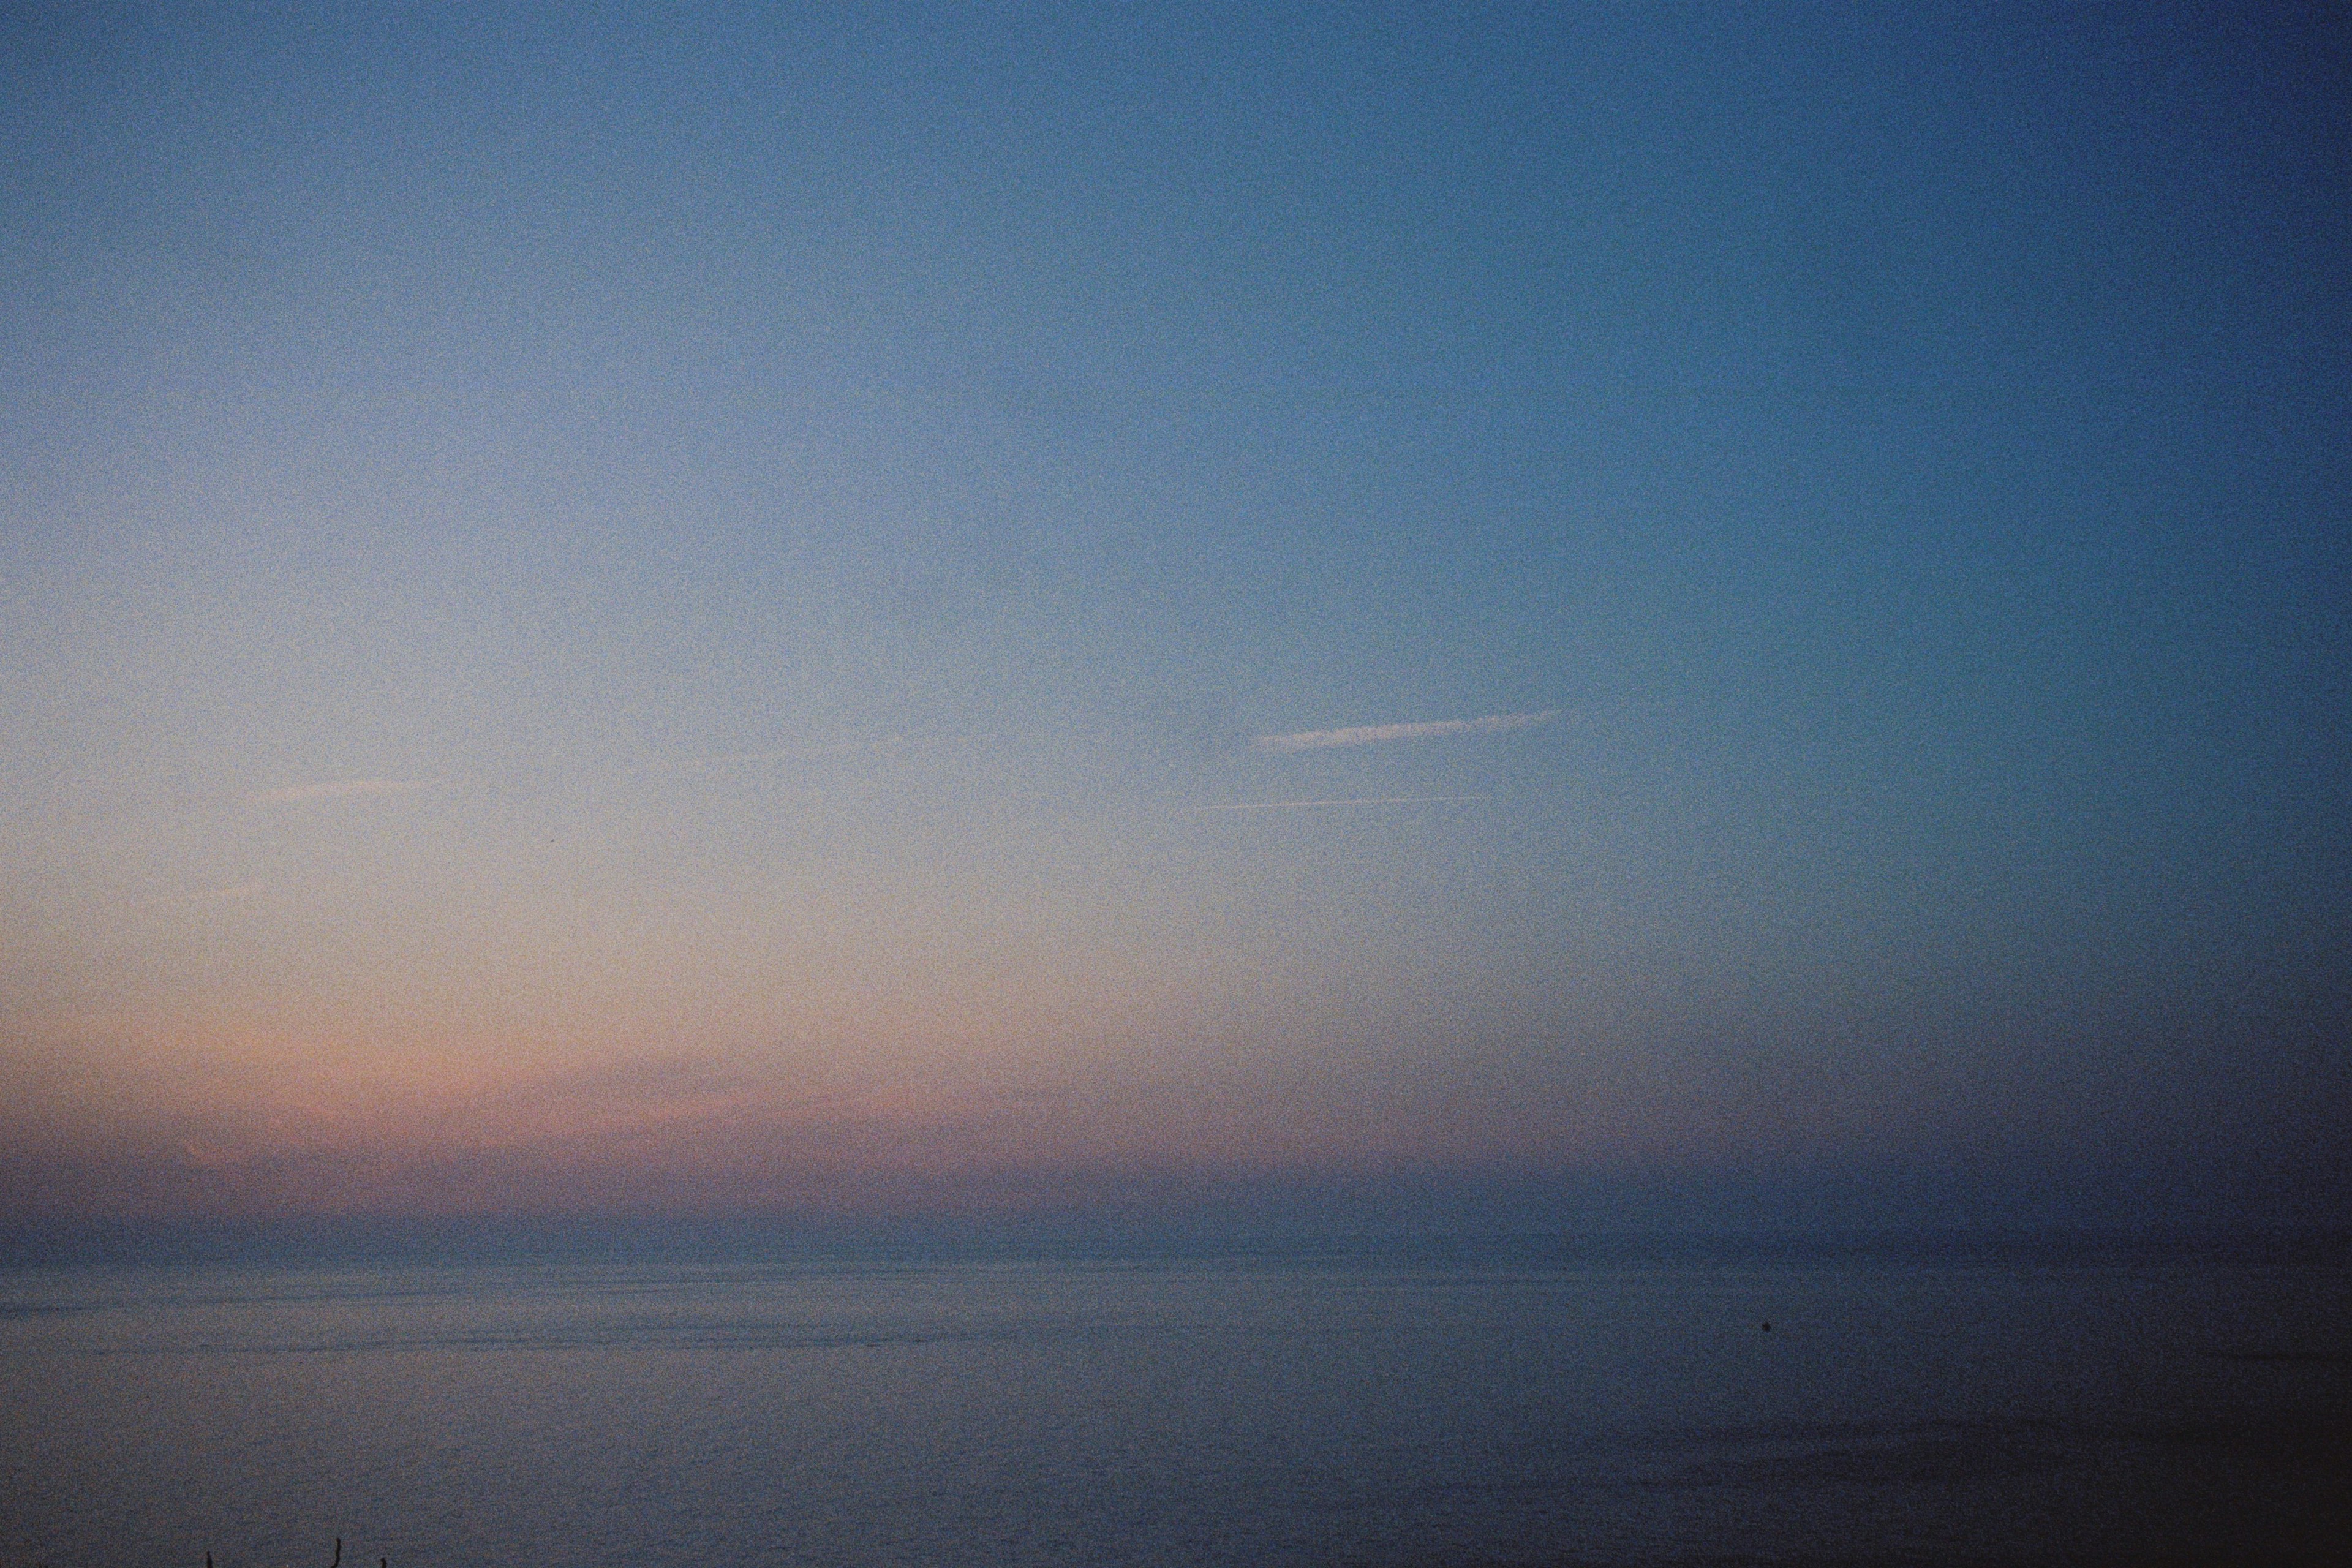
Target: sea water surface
[(1530, 1403)]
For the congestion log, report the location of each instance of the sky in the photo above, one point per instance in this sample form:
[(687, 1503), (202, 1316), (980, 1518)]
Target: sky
[(794, 611)]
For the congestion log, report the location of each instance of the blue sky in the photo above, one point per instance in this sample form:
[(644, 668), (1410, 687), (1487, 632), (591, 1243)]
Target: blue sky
[(660, 605)]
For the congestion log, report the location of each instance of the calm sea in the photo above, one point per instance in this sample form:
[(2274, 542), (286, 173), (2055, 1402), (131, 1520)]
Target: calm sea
[(1908, 1404)]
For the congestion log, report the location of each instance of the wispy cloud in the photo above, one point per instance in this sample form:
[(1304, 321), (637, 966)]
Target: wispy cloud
[(1373, 735), (338, 789), (1357, 800)]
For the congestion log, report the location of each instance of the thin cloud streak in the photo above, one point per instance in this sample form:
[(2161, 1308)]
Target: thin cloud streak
[(1356, 800), (340, 789), (1373, 735)]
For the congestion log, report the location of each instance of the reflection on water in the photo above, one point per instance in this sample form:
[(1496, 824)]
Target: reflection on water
[(1904, 1406)]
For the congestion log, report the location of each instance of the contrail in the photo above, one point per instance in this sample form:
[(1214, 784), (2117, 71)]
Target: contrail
[(1372, 734)]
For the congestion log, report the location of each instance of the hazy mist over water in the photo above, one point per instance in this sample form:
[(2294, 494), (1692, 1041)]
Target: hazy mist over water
[(1912, 1401)]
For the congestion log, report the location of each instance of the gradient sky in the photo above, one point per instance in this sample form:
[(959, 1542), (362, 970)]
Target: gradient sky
[(827, 612)]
